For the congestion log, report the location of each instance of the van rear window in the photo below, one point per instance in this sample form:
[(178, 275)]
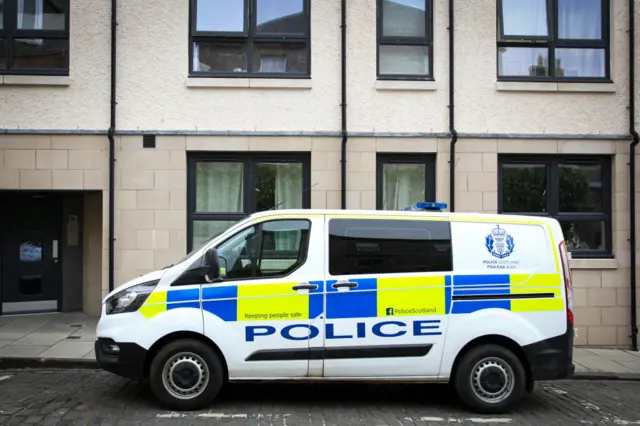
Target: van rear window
[(380, 246)]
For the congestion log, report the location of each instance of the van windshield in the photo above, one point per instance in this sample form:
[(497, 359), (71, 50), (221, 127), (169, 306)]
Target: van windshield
[(197, 248)]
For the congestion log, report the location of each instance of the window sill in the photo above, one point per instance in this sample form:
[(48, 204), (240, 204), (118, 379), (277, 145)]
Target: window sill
[(404, 85), (250, 83), (593, 263), (35, 80), (540, 86)]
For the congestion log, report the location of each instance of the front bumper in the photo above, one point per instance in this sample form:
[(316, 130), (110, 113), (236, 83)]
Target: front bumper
[(128, 362)]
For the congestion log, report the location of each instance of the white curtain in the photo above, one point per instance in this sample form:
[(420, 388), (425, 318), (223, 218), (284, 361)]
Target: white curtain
[(525, 17), (580, 19), (273, 64), (219, 187), (288, 193), (403, 185), (31, 17), (404, 18)]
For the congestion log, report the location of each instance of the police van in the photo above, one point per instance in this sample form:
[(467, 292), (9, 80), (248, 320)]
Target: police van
[(482, 302)]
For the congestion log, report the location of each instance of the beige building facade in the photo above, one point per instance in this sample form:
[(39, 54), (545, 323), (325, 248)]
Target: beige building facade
[(218, 117)]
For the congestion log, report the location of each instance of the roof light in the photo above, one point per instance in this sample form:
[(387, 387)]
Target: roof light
[(426, 205)]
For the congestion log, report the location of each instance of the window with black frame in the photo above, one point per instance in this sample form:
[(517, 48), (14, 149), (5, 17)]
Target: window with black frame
[(574, 190), (405, 39), (34, 37), (257, 38), (224, 189), (553, 40), (404, 179)]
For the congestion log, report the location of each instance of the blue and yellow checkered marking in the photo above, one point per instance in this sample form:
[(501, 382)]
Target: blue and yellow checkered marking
[(372, 298)]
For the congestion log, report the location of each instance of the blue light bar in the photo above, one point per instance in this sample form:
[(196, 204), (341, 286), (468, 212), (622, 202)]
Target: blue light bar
[(428, 206)]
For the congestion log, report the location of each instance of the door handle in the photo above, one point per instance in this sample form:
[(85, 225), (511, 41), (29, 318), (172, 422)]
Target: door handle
[(305, 286), (343, 284), (54, 251)]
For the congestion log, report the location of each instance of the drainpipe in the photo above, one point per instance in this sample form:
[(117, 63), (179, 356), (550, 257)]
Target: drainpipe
[(632, 171), (452, 129), (112, 145), (343, 106)]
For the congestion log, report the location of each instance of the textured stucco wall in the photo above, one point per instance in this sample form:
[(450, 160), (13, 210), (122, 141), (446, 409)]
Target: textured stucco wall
[(84, 103), (481, 108)]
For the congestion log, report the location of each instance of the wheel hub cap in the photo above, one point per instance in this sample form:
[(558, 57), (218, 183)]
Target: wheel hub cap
[(185, 375), (492, 380)]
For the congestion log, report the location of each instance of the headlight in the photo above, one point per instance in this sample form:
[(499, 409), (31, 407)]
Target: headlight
[(130, 299)]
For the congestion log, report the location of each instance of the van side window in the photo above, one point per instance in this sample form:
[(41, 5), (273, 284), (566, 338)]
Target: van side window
[(271, 249), (382, 246)]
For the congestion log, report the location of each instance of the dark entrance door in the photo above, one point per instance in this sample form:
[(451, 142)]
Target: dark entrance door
[(31, 273)]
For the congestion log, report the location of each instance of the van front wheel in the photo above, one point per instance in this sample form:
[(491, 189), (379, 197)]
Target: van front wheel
[(490, 379), (186, 375)]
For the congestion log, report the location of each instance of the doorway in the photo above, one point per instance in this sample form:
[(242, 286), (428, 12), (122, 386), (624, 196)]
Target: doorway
[(31, 273)]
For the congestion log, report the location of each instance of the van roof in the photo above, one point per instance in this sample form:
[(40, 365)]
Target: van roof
[(484, 217)]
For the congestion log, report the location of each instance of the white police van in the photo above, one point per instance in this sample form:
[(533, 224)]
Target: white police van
[(480, 301)]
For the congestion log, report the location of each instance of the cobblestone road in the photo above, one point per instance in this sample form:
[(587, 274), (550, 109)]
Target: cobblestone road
[(85, 397)]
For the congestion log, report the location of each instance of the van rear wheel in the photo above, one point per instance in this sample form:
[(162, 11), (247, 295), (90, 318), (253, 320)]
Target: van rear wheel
[(186, 375), (490, 379)]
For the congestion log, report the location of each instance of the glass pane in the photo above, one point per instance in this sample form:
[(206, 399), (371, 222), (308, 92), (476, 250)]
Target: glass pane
[(219, 57), (280, 58), (524, 188), (404, 60), (523, 61), (219, 187), (3, 54), (42, 14), (1, 14), (525, 17), (404, 18), (584, 235), (580, 63), (239, 255), (580, 19), (203, 230), (365, 246), (281, 17), (403, 185), (31, 252), (279, 186), (282, 244), (220, 15), (40, 54), (580, 188), (30, 256)]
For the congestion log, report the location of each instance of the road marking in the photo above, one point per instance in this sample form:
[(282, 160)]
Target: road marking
[(470, 419), (5, 378), (221, 416)]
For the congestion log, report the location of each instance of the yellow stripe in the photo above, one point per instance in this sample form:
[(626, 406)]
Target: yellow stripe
[(414, 302), (538, 305), (387, 217), (281, 308), (156, 297), (149, 311), (262, 290)]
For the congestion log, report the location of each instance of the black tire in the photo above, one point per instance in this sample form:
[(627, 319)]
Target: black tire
[(497, 359), (195, 358)]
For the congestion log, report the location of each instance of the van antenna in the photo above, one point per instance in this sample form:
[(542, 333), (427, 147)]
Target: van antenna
[(283, 201)]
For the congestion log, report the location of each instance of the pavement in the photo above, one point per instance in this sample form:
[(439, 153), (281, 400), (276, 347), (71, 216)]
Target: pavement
[(66, 340), (88, 397)]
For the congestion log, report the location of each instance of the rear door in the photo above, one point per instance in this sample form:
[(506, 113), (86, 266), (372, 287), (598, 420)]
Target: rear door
[(386, 295)]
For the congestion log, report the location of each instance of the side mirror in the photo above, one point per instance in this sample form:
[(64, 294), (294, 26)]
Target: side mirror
[(212, 265)]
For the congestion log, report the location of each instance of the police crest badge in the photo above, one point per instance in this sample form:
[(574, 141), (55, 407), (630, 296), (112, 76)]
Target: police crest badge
[(499, 243)]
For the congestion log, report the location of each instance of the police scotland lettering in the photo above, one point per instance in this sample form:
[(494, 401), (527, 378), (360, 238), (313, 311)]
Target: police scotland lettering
[(501, 245)]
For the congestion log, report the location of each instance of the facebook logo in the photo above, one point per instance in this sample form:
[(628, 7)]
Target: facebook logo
[(389, 311)]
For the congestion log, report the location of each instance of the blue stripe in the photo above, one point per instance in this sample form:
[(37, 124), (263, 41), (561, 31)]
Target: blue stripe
[(214, 292), (320, 288), (447, 280), (363, 284), (226, 310), (190, 305), (476, 292), (362, 304), (470, 306), (447, 300), (316, 305), (183, 295), (481, 279)]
